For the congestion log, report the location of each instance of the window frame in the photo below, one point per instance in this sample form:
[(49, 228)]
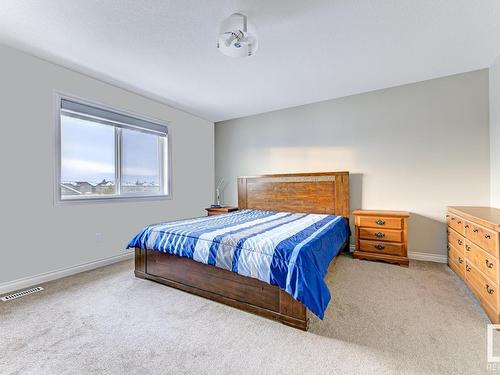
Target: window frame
[(118, 196)]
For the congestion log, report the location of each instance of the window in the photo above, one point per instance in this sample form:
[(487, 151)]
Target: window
[(107, 154)]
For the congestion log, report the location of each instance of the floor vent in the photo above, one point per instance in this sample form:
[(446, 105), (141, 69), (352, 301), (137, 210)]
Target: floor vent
[(22, 294)]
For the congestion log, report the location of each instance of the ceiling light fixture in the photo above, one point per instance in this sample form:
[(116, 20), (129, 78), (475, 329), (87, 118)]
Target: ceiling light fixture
[(237, 37)]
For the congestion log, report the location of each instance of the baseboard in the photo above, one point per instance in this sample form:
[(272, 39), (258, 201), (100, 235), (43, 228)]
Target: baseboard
[(25, 282), (415, 255), (426, 257)]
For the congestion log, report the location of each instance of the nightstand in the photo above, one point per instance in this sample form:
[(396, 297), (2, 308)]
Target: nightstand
[(220, 210), (381, 235)]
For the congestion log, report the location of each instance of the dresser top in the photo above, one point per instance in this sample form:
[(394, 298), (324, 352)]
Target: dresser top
[(380, 213), (488, 216)]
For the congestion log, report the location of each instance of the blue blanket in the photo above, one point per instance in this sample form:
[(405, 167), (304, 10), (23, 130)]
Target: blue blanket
[(290, 250)]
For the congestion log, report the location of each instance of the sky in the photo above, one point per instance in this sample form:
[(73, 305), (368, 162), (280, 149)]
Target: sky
[(87, 153)]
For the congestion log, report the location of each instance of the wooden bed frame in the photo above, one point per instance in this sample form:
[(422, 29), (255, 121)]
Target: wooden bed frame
[(324, 193)]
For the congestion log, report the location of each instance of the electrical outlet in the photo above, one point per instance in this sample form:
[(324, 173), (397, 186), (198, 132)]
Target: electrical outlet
[(98, 237)]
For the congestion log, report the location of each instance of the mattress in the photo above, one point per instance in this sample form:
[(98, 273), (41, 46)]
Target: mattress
[(290, 250)]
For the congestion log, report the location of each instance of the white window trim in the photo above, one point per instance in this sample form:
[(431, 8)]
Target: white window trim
[(58, 96)]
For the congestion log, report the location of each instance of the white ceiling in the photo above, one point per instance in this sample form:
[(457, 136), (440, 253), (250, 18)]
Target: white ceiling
[(308, 50)]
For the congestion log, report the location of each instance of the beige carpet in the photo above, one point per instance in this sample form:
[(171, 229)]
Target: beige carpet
[(383, 319)]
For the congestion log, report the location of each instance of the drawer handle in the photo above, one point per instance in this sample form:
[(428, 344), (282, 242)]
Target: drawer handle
[(475, 230), (379, 234), (447, 215), (487, 236), (459, 222), (460, 242), (460, 260), (379, 247), (489, 290), (466, 226), (489, 264), (380, 222), (467, 268), (467, 247), (452, 218)]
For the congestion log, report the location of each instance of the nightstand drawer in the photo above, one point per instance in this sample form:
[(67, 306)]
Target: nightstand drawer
[(380, 247), (381, 234), (379, 222)]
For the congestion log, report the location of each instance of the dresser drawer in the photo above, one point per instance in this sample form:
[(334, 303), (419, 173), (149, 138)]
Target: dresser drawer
[(380, 222), (484, 288), (483, 237), (458, 268), (455, 222), (381, 234), (482, 260), (457, 257), (379, 247), (456, 240)]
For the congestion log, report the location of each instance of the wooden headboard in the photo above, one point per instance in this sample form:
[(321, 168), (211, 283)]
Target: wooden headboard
[(315, 193)]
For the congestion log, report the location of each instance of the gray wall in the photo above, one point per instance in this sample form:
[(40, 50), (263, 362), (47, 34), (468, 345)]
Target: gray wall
[(39, 236), (495, 132), (417, 147)]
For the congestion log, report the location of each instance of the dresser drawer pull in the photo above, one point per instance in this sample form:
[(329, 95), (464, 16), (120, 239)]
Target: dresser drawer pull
[(467, 268), (489, 264), (475, 230), (460, 260), (466, 226), (459, 222), (460, 242), (379, 235), (452, 218), (487, 236), (380, 222), (379, 247), (489, 290), (467, 247)]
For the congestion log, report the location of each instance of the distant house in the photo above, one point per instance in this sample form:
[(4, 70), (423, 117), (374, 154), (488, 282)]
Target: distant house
[(84, 187), (140, 187), (77, 188), (105, 187)]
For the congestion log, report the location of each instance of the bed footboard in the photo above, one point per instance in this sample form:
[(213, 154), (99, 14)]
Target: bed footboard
[(220, 285)]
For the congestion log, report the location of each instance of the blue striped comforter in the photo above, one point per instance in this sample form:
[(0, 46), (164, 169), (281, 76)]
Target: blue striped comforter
[(290, 250)]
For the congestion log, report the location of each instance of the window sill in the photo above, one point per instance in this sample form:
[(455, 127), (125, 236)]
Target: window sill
[(122, 198)]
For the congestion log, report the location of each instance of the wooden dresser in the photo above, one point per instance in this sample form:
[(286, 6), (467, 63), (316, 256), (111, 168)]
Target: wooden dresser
[(473, 253), (381, 235)]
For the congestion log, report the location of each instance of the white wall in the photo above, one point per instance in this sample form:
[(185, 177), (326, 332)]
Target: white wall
[(417, 147), (495, 132), (39, 236)]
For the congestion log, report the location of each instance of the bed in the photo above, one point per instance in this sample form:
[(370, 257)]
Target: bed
[(268, 258)]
